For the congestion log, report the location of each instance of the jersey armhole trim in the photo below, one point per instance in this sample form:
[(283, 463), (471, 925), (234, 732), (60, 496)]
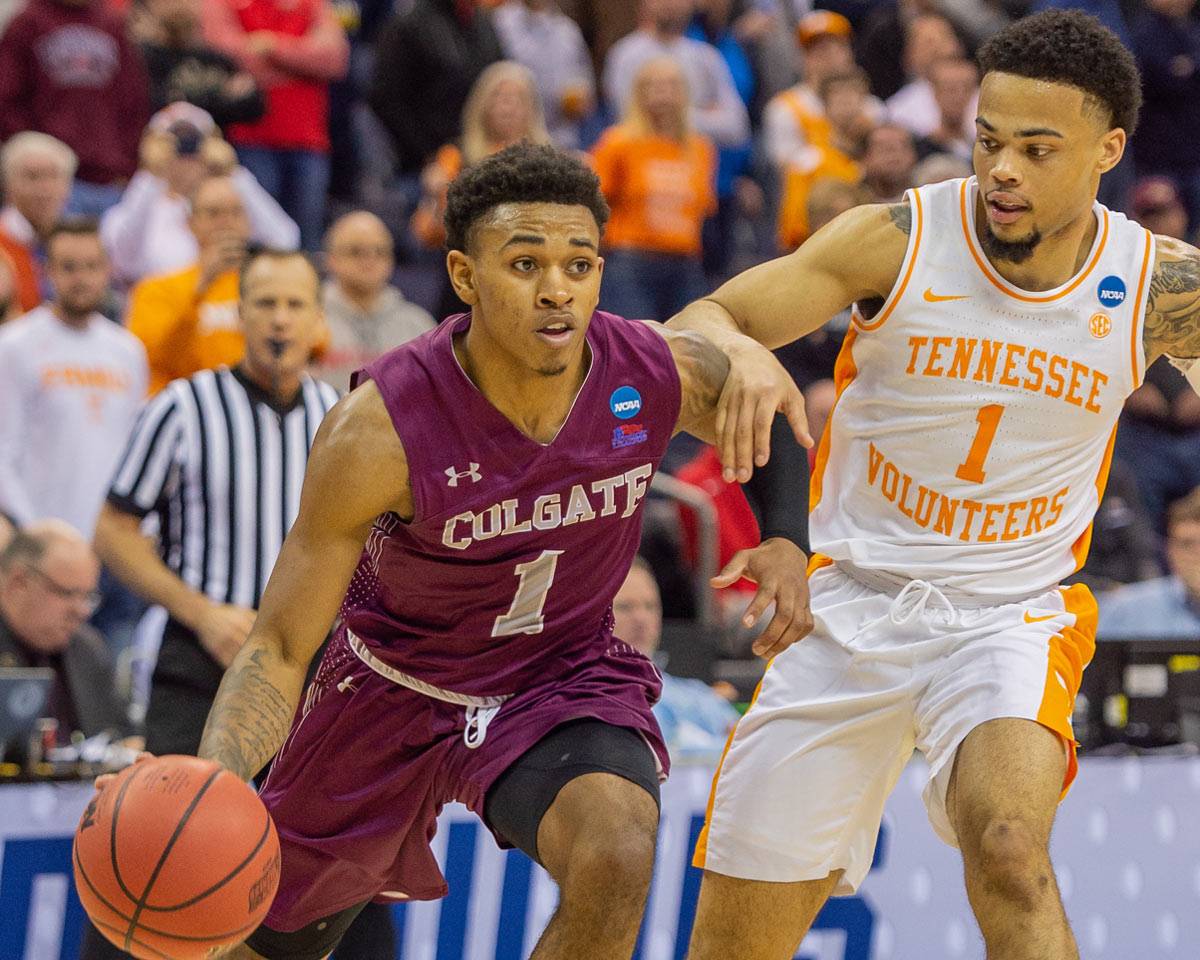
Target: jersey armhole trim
[(1137, 347), (906, 269)]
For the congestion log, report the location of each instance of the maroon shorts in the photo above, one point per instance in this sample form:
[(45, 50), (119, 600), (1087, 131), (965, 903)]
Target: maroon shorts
[(357, 787)]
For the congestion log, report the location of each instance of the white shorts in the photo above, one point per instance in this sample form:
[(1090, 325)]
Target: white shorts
[(801, 788)]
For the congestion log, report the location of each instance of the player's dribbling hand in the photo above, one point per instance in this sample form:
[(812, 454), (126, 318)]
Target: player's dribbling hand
[(780, 569), (102, 782), (756, 389)]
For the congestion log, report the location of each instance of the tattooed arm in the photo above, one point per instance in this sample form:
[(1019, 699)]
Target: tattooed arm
[(1173, 307), (857, 257), (356, 471)]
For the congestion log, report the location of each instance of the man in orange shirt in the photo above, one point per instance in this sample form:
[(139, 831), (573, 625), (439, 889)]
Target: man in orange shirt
[(189, 320)]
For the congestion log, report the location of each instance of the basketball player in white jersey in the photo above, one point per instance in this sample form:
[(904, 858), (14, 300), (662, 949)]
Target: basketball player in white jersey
[(1001, 322)]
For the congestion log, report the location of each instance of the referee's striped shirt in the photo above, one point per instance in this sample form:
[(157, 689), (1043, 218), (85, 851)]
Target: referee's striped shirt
[(222, 466)]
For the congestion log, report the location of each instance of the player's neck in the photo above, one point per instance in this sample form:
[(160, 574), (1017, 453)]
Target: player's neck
[(534, 403), (1058, 258)]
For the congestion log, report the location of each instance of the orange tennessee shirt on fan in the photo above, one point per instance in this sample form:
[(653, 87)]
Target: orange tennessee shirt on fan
[(185, 331), (660, 190)]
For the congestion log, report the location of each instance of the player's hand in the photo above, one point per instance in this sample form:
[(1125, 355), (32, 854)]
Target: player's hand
[(103, 781), (756, 389), (780, 569), (223, 630)]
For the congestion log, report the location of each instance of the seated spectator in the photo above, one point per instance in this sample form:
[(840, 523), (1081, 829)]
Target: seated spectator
[(1166, 39), (68, 69), (834, 156), (1156, 204), (71, 384), (541, 37), (794, 122), (428, 58), (364, 314), (658, 176), (189, 320), (954, 82), (695, 720), (938, 167), (1168, 606), (183, 67), (147, 232), (928, 39), (504, 108), (293, 48), (37, 172), (48, 577), (717, 111), (888, 163)]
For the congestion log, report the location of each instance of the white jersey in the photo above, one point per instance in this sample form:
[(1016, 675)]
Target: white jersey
[(973, 429), (68, 400)]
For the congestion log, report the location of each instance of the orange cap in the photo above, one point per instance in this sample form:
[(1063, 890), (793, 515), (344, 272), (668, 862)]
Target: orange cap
[(822, 23)]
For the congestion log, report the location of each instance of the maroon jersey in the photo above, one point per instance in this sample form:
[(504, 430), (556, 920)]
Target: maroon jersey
[(505, 576)]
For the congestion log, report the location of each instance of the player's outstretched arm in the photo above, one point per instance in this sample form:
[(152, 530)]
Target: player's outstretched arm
[(856, 257), (356, 471), (1173, 307)]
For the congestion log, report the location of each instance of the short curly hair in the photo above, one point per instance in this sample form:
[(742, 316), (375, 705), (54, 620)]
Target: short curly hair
[(1071, 47), (523, 173)]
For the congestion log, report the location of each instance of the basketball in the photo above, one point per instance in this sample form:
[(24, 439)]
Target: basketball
[(177, 857)]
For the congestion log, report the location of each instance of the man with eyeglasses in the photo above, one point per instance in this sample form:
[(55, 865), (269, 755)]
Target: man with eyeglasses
[(1167, 607), (365, 314), (48, 579)]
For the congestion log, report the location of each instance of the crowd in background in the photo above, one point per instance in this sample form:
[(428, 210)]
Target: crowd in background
[(148, 145)]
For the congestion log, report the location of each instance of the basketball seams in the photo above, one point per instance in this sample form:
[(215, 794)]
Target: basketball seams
[(112, 848), (232, 875), (140, 903)]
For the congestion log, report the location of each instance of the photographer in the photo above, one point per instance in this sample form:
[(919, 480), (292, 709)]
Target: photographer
[(147, 233)]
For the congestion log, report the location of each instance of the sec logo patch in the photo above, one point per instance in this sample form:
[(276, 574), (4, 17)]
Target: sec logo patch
[(1100, 325)]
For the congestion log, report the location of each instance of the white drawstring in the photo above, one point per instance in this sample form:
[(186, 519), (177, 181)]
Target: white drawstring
[(911, 601), (478, 719)]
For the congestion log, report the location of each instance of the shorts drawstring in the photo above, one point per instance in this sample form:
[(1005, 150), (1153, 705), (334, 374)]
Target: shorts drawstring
[(912, 599), (478, 719)]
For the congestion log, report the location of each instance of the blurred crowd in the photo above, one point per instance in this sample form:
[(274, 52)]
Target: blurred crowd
[(149, 145)]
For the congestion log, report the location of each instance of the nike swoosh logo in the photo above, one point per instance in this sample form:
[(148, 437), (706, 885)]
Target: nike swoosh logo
[(931, 297), (1029, 619)]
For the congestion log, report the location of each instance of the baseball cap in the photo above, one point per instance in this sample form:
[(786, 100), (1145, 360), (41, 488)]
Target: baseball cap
[(822, 23)]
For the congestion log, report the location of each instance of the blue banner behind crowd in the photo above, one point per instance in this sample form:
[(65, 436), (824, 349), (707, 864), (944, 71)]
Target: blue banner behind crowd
[(1126, 848)]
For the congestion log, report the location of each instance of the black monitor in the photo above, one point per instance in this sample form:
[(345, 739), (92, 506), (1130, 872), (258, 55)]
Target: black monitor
[(23, 695), (1141, 692)]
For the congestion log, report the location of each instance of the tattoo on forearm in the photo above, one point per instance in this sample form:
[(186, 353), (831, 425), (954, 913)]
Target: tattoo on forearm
[(901, 214), (249, 718), (702, 367), (1173, 307)]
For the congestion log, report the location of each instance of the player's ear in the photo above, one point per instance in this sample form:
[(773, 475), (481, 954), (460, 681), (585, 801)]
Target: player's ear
[(1112, 148), (462, 276)]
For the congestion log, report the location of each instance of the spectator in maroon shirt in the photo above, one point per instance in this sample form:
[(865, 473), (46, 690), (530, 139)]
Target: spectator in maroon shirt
[(68, 69), (293, 48)]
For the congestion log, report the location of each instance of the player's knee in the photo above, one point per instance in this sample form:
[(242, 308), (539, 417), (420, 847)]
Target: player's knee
[(1012, 861), (620, 857)]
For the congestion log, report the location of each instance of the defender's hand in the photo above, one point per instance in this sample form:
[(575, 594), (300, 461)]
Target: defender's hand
[(103, 781), (780, 569), (756, 389)]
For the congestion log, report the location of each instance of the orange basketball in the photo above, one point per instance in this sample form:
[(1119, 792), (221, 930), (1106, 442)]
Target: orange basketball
[(176, 857)]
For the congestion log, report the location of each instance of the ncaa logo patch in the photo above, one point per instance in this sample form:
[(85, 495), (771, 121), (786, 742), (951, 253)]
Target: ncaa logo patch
[(1111, 292), (625, 403)]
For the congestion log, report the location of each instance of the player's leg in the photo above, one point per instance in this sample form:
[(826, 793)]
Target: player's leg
[(755, 918), (1003, 793), (583, 802), (314, 941), (597, 841)]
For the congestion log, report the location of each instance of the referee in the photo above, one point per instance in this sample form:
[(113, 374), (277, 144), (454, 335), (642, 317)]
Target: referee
[(219, 458)]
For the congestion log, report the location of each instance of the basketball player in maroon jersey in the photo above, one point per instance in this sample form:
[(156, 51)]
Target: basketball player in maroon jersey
[(468, 514)]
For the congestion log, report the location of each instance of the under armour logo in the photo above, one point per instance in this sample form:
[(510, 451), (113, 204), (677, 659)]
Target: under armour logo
[(456, 475)]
